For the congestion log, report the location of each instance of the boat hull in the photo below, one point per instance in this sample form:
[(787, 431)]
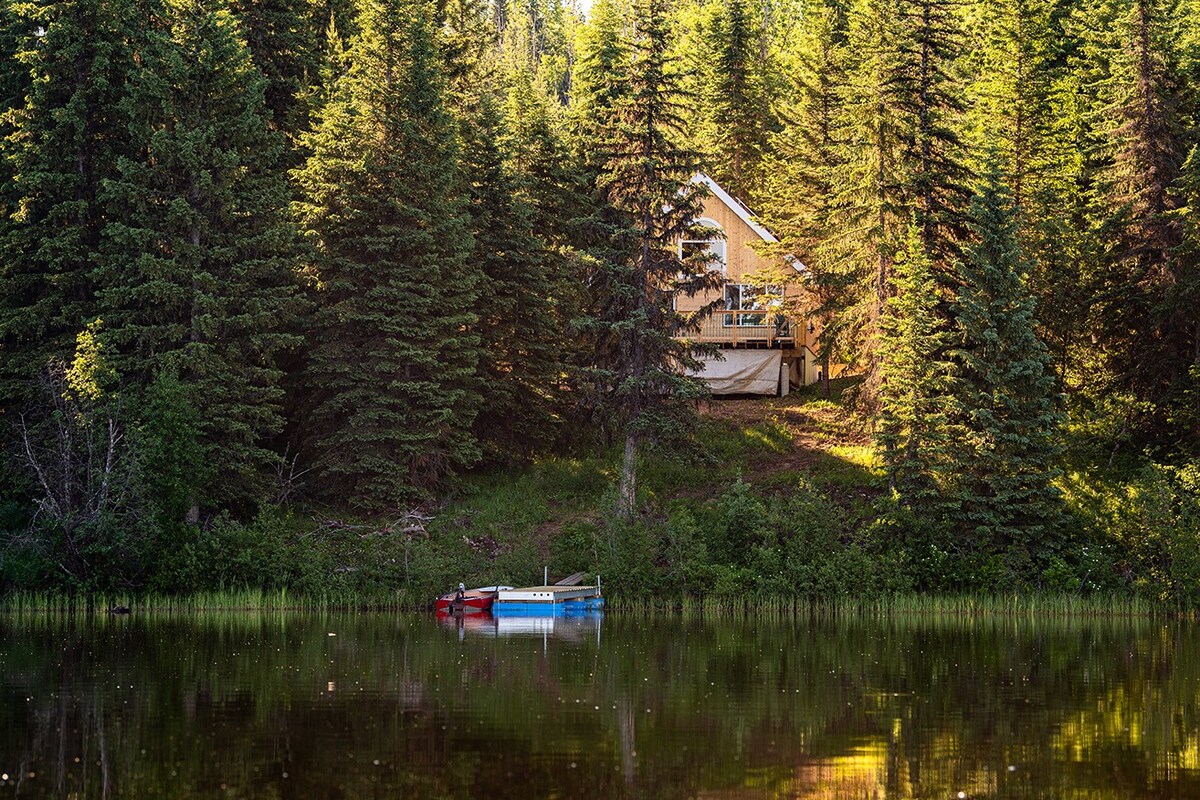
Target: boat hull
[(470, 604), (473, 601)]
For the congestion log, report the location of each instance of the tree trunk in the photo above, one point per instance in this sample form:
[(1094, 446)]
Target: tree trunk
[(825, 375), (628, 489)]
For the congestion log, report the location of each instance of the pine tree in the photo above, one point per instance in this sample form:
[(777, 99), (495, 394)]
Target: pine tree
[(899, 161), (804, 158), (937, 172), (393, 357), (804, 152), (1006, 422), (912, 427), (603, 56), (597, 233), (15, 32), (1023, 115), (1015, 96), (552, 174), (469, 50), (65, 142), (537, 35), (1185, 294), (195, 262), (646, 178), (737, 104), (1146, 343), (285, 38), (521, 337)]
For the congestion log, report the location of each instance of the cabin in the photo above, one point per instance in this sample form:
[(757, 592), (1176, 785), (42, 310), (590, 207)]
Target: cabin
[(764, 351)]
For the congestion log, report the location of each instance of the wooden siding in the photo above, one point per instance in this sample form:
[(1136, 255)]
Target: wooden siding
[(740, 261)]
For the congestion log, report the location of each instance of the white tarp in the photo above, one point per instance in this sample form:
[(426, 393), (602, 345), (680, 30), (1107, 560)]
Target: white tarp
[(743, 372)]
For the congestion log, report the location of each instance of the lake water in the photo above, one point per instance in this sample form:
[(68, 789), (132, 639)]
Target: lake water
[(400, 706)]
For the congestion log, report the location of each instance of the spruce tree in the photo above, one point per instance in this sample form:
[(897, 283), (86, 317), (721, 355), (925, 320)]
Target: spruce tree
[(1005, 419), (900, 160), (912, 426), (285, 39), (738, 107), (195, 267), (520, 334), (1145, 341), (394, 351), (65, 142), (646, 179)]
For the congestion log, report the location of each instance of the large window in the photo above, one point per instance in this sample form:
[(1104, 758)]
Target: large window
[(765, 302), (713, 249)]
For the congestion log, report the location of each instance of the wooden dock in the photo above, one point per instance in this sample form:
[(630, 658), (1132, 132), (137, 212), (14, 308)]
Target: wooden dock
[(547, 594), (552, 600)]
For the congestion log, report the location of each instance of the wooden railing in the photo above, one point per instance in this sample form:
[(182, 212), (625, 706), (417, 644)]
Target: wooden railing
[(743, 327)]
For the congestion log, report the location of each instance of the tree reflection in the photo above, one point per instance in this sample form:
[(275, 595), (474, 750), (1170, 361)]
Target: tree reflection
[(266, 706)]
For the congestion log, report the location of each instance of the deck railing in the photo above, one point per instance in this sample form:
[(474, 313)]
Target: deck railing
[(743, 327)]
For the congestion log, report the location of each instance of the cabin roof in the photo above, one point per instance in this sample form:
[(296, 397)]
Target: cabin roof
[(745, 215), (735, 205)]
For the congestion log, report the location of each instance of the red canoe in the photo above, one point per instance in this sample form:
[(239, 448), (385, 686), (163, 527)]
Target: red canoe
[(468, 601)]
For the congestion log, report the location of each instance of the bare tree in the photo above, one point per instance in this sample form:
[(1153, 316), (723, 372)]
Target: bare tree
[(72, 446)]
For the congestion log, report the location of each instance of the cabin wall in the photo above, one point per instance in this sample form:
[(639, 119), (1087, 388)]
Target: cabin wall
[(740, 259), (799, 355)]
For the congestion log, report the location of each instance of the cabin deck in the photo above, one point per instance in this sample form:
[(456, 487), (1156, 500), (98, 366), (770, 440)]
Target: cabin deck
[(737, 328)]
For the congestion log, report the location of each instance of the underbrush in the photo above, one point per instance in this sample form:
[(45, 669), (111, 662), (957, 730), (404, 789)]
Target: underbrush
[(751, 514)]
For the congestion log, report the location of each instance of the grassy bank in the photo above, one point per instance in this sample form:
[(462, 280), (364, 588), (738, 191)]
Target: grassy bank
[(777, 504)]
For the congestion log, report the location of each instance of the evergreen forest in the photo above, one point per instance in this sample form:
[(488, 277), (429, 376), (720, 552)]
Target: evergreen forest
[(361, 298)]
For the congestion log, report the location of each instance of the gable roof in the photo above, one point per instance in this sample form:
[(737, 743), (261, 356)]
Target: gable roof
[(734, 205), (745, 215)]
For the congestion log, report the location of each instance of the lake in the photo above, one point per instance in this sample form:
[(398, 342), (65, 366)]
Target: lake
[(247, 705)]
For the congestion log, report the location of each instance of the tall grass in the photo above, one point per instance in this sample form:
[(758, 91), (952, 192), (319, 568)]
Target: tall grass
[(241, 599), (1030, 606), (915, 605)]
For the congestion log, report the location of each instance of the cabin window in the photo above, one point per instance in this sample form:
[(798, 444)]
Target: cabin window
[(760, 305), (713, 249)]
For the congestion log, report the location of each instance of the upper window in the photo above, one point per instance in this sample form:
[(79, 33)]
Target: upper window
[(713, 247)]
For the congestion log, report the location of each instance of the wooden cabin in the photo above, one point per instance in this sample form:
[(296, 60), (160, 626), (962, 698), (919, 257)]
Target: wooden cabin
[(764, 351)]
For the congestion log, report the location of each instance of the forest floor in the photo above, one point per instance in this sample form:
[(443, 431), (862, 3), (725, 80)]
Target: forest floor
[(801, 436)]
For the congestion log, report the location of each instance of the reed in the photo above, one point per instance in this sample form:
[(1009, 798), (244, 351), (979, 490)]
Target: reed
[(236, 599), (922, 605), (1033, 606)]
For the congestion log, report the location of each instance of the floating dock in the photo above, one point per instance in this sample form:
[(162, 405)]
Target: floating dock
[(545, 601)]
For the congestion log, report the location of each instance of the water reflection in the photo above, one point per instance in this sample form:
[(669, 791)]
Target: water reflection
[(573, 627), (262, 706)]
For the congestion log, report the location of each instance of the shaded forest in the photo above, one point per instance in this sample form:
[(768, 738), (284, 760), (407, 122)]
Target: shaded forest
[(323, 254)]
